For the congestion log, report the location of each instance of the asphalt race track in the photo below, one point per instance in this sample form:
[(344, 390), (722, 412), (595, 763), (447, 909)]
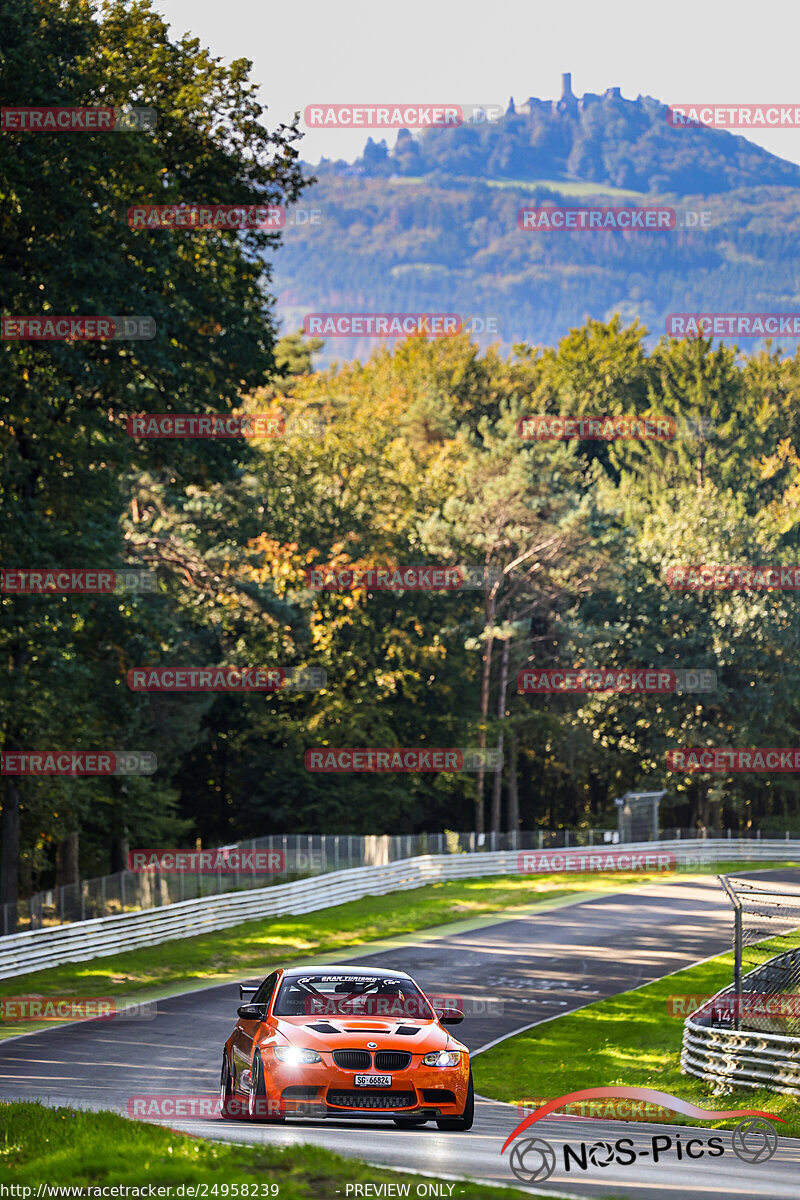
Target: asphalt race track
[(539, 966)]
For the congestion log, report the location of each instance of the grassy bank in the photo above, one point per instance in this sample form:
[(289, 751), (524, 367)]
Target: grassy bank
[(257, 947), (632, 1040), (70, 1147)]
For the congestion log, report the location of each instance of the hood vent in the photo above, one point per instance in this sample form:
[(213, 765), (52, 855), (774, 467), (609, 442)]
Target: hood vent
[(407, 1030), (323, 1027)]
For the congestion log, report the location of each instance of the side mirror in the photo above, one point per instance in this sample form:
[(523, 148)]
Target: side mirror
[(451, 1016), (252, 1012)]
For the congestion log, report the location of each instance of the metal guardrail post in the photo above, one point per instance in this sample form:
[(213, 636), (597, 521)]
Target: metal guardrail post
[(737, 948)]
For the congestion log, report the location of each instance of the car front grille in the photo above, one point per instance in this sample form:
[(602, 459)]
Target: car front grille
[(372, 1099), (353, 1060), (392, 1060)]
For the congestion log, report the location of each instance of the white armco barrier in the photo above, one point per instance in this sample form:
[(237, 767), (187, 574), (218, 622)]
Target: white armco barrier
[(37, 949)]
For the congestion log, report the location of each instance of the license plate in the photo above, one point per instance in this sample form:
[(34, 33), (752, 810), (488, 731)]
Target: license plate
[(373, 1081)]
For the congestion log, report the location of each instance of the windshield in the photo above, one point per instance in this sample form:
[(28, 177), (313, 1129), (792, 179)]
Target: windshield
[(352, 996)]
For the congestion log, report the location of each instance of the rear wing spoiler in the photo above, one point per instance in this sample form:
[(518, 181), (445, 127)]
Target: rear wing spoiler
[(247, 990)]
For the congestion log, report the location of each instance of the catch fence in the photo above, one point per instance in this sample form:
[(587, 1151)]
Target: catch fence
[(304, 855)]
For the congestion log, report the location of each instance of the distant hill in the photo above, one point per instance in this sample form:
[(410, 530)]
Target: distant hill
[(432, 224), (602, 139)]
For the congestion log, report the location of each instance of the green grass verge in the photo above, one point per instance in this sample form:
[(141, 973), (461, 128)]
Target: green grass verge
[(631, 1040), (566, 187), (261, 945), (257, 947), (71, 1147)]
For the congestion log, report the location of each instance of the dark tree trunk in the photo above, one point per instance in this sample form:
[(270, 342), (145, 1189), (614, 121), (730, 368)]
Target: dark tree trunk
[(119, 835), (501, 716), (486, 676), (67, 870), (10, 820), (9, 836), (513, 784), (120, 848)]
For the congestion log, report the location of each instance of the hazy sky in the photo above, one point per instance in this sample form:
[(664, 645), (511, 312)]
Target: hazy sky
[(467, 52)]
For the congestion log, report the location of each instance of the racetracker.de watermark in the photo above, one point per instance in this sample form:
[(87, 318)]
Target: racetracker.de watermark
[(86, 119), (754, 1005), (47, 328), (226, 679), (547, 427), (733, 116), (370, 1005), (206, 425), (400, 760), (56, 1008), (73, 1008), (401, 579), (537, 862), (167, 1106), (732, 324), (398, 324), (391, 1006), (204, 218), (78, 762), (93, 581), (717, 578), (581, 680), (734, 760), (610, 1109), (583, 218), (400, 116), (225, 860)]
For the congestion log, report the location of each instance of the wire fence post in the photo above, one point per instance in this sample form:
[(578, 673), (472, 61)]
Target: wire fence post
[(737, 949)]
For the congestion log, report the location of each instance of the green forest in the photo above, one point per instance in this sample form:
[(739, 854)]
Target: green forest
[(411, 456)]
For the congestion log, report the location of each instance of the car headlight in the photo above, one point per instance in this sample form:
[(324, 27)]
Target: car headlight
[(295, 1055), (442, 1058)]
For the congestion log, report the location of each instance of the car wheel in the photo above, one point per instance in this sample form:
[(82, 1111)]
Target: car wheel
[(409, 1122), (230, 1106), (258, 1104), (464, 1122)]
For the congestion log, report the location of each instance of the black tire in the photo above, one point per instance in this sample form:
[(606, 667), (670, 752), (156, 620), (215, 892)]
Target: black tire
[(409, 1122), (230, 1106), (464, 1122), (258, 1104)]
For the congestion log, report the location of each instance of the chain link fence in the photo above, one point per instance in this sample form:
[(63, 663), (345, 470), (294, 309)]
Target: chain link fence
[(303, 855), (765, 994)]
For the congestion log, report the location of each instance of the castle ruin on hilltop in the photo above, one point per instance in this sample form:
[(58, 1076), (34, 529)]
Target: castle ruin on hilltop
[(569, 102)]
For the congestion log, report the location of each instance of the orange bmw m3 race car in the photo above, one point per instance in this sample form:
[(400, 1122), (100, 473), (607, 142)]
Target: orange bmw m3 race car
[(345, 1042)]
